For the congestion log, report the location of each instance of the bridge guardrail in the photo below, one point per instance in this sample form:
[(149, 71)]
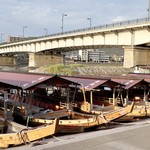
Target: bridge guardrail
[(111, 25)]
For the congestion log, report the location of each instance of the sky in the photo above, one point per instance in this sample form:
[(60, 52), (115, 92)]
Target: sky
[(37, 15)]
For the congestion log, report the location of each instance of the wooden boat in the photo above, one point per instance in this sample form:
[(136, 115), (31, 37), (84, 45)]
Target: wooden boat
[(141, 109), (22, 135), (110, 112), (18, 107), (69, 121)]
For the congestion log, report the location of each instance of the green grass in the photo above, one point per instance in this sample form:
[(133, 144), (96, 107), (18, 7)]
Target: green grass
[(73, 69), (61, 69)]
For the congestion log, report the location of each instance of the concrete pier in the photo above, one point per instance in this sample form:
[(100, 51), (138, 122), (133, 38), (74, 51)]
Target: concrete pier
[(8, 61), (136, 56), (38, 60)]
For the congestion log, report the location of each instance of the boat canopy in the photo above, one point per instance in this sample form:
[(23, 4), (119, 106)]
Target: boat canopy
[(28, 81), (31, 80), (92, 83), (132, 83)]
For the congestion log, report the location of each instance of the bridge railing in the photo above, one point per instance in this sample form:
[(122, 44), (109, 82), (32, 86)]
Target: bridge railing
[(117, 24), (111, 25)]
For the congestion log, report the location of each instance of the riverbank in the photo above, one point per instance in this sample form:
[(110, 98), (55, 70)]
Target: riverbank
[(85, 69)]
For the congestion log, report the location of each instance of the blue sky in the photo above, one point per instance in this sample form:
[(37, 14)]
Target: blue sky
[(40, 14)]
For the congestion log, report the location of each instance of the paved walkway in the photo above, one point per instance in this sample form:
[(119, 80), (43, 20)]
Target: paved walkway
[(129, 136)]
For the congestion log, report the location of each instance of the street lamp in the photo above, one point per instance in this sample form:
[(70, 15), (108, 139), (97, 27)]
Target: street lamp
[(148, 9), (46, 32), (2, 34), (90, 21), (24, 27), (62, 27)]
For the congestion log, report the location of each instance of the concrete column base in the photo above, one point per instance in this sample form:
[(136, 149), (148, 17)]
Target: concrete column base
[(136, 56), (38, 60)]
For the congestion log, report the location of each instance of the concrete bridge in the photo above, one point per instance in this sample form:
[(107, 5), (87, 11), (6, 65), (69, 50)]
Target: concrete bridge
[(133, 36)]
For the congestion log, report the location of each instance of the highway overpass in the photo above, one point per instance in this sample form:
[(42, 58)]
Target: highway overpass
[(133, 36)]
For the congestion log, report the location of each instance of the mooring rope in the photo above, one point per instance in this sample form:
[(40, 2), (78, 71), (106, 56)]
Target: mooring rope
[(57, 138), (24, 137)]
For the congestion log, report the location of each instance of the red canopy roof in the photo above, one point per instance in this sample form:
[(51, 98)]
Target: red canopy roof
[(91, 83), (129, 83), (28, 80)]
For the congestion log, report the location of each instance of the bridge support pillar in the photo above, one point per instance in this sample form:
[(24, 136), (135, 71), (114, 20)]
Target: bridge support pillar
[(8, 61), (38, 60), (136, 56)]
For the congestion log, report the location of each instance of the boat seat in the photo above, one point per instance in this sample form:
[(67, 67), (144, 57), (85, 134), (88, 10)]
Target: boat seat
[(52, 115), (105, 108), (58, 116)]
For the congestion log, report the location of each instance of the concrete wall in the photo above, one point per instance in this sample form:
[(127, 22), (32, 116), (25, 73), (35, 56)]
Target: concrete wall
[(38, 60), (136, 56)]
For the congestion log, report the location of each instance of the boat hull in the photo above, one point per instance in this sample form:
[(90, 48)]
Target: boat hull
[(111, 113), (27, 135), (74, 123), (141, 109)]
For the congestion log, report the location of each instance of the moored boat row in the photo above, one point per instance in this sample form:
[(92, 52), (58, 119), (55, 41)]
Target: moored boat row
[(78, 104)]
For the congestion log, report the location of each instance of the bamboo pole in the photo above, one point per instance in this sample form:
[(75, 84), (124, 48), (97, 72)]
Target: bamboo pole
[(91, 99), (127, 97), (83, 91), (5, 104), (144, 94), (68, 99), (114, 100)]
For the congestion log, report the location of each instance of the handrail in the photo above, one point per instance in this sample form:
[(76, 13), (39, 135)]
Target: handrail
[(106, 26)]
